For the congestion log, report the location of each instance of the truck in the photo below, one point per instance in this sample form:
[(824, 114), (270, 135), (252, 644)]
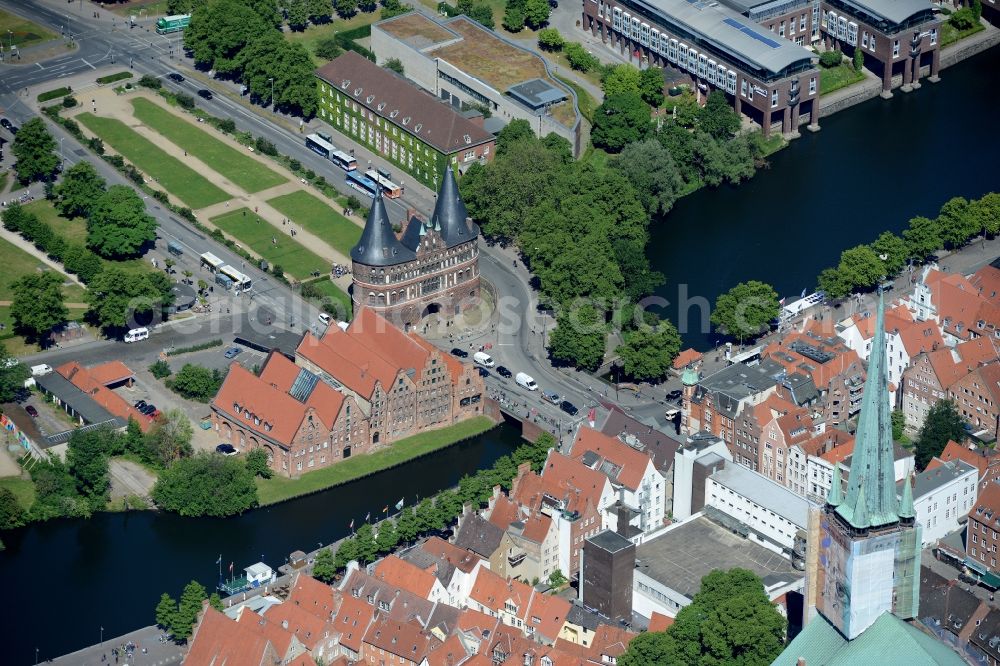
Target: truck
[(175, 23)]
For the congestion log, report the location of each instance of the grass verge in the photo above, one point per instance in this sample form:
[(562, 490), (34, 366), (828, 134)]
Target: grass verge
[(16, 263), (72, 230), (278, 489), (838, 77), (23, 489), (332, 299), (241, 169), (950, 34), (316, 216), (22, 31), (586, 101), (173, 175), (293, 257)]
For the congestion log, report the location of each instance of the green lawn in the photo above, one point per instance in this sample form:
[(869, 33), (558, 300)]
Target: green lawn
[(235, 165), (4, 177), (16, 262), (313, 33), (22, 31), (279, 489), (773, 144), (74, 230), (334, 300), (597, 157), (23, 489), (838, 77), (585, 100), (312, 214), (950, 34), (172, 174), (256, 234)]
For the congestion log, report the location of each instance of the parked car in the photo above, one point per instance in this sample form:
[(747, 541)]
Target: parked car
[(32, 412), (6, 124), (551, 396), (174, 76), (226, 449), (675, 394), (568, 407), (527, 381), (504, 372), (205, 94), (139, 404), (461, 353), (148, 409), (483, 372), (232, 352)]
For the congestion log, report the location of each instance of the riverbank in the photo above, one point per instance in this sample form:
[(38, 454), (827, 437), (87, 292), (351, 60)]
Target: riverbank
[(279, 489)]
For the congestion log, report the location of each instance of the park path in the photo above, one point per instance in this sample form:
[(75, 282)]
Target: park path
[(112, 105), (16, 239)]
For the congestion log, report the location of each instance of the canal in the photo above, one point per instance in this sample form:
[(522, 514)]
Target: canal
[(65, 579), (871, 168)]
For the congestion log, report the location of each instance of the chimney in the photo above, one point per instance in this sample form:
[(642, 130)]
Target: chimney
[(284, 624)]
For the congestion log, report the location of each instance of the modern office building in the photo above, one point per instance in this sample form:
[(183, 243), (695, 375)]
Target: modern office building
[(404, 124), (771, 80)]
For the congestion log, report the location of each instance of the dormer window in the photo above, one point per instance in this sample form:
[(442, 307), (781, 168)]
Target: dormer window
[(256, 420), (236, 407), (406, 120), (267, 427), (370, 99), (467, 139), (381, 105), (345, 83), (418, 127), (246, 413), (393, 113), (357, 91)]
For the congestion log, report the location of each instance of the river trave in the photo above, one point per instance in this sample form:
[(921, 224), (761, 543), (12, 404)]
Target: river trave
[(65, 579), (871, 168)]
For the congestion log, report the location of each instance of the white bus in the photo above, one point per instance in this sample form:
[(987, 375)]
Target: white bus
[(343, 160), (389, 188), (240, 281), (320, 146), (211, 262)]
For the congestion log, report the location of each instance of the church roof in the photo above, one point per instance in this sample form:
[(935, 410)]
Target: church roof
[(378, 245), (871, 499), (450, 216), (888, 640)]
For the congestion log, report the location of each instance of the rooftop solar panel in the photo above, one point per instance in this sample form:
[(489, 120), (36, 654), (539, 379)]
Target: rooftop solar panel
[(751, 32), (303, 385)]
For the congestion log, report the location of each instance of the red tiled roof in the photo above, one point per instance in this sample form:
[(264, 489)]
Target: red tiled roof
[(84, 379), (610, 640), (921, 336), (565, 479), (111, 372), (279, 637), (463, 560), (634, 464), (660, 622), (687, 357), (450, 653), (313, 596), (223, 642), (476, 622), (491, 591), (826, 441), (404, 575), (547, 614), (352, 622), (304, 625), (988, 501), (403, 639), (839, 453)]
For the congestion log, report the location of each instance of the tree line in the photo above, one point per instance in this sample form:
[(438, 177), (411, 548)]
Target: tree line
[(862, 267), (177, 617)]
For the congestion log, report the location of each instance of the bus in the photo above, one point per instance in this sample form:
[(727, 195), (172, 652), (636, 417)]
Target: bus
[(361, 183), (320, 146), (211, 262), (175, 23), (343, 160), (240, 281), (389, 188)]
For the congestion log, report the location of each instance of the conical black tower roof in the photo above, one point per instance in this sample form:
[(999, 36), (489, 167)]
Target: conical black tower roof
[(450, 214), (378, 245)]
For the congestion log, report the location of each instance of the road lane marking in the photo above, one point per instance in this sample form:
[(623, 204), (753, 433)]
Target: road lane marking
[(88, 64)]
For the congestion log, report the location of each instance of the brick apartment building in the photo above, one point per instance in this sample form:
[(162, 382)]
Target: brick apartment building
[(764, 434), (983, 534), (349, 392), (432, 268), (977, 398)]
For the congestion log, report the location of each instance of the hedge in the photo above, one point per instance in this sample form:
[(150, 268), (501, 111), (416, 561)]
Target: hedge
[(53, 94), (111, 78), (74, 258), (193, 348)]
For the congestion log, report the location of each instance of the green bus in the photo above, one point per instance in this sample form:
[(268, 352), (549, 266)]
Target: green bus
[(174, 23)]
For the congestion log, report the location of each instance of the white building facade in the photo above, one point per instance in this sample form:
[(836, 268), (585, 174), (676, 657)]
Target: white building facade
[(943, 494)]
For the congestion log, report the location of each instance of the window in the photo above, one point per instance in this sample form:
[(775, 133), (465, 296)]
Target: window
[(895, 48), (864, 39), (743, 87), (774, 99), (781, 29), (933, 36), (812, 86), (871, 43)]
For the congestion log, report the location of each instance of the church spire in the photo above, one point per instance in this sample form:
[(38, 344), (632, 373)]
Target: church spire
[(836, 495), (450, 216), (871, 499), (906, 511)]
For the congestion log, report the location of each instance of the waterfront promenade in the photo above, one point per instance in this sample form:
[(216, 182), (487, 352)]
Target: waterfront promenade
[(101, 654)]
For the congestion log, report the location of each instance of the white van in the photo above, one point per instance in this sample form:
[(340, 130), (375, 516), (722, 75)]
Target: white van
[(39, 370), (325, 318), (483, 359), (136, 334), (526, 381)]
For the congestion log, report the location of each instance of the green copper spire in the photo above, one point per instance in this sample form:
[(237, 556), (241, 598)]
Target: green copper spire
[(906, 501), (871, 499), (836, 495), (689, 377)]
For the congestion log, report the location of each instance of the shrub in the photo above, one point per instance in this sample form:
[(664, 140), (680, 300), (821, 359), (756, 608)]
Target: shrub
[(161, 196), (578, 57), (266, 147), (193, 348), (149, 81), (117, 161), (160, 369), (53, 94), (549, 39), (111, 78), (226, 125), (96, 145), (69, 102), (294, 165), (963, 19), (830, 58), (185, 101), (187, 214)]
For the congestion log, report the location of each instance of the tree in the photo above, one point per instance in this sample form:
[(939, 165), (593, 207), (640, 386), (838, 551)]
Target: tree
[(386, 539), (83, 262), (79, 190), (118, 226), (859, 59), (55, 492), (922, 237), (327, 48), (271, 56), (346, 552), (323, 566), (891, 250), (115, 294), (717, 118), (640, 280), (746, 310), (942, 423), (513, 16), (648, 352), (38, 305), (365, 539), (196, 382), (392, 8), (832, 283), (450, 505), (650, 168), (267, 10), (166, 612), (319, 11), (346, 8), (13, 374), (898, 423), (651, 86), (860, 267), (428, 516), (12, 514), (579, 58), (407, 526), (394, 65), (33, 150), (622, 119), (549, 39), (188, 609), (87, 460), (977, 9), (963, 19), (536, 13), (297, 14), (215, 601), (650, 647), (220, 31), (956, 225), (514, 131), (579, 337), (206, 485), (620, 80), (557, 578), (169, 439), (257, 463)]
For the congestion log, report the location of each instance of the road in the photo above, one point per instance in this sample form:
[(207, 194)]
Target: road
[(518, 341)]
